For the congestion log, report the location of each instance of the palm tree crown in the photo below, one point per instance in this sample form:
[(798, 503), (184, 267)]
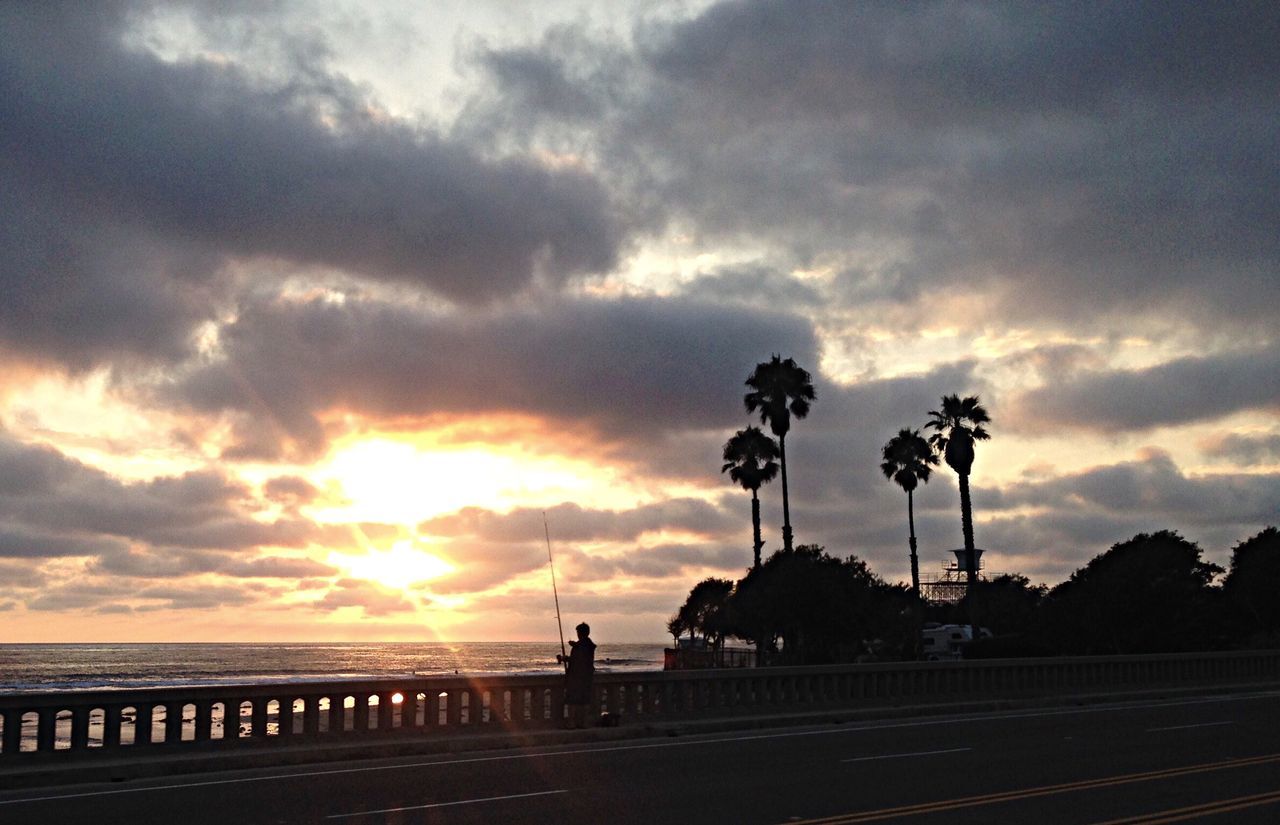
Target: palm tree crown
[(907, 459), (750, 458), (779, 389), (958, 424)]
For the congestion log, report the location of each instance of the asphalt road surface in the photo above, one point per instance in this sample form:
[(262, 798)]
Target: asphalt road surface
[(1213, 759)]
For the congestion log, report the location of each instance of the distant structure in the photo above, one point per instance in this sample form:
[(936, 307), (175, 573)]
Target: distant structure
[(949, 586)]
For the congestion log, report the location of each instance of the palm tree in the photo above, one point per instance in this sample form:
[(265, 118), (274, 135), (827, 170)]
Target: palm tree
[(749, 460), (959, 424), (907, 459), (779, 390)]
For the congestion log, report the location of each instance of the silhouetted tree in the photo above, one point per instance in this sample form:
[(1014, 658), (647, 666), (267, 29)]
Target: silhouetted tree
[(1010, 608), (821, 608), (779, 390), (959, 424), (675, 626), (749, 457), (705, 609), (1252, 588), (1150, 594), (907, 459)]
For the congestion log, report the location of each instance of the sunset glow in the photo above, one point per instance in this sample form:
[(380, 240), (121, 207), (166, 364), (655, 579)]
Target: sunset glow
[(322, 321)]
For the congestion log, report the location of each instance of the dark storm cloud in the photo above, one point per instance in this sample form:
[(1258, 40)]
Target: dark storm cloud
[(628, 367), (128, 181), (1069, 158), (1177, 392)]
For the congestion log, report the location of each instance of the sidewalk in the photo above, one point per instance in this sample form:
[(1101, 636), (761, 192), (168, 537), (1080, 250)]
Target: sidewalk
[(123, 767)]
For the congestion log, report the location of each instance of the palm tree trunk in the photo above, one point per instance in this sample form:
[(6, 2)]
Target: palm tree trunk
[(915, 560), (755, 523), (971, 574), (966, 524), (786, 501)]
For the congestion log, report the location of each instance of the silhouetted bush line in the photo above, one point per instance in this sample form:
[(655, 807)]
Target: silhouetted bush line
[(1150, 594)]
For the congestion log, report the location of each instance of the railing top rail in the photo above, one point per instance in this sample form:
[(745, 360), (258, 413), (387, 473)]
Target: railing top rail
[(428, 684)]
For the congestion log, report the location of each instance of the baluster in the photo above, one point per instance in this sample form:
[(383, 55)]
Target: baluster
[(173, 722), (337, 714), (258, 717), (386, 710), (432, 715), (284, 717), (79, 728), (144, 713), (45, 727), (360, 719), (311, 715), (409, 707), (204, 720)]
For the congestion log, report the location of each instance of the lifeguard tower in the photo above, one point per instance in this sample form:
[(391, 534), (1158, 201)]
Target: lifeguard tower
[(949, 586)]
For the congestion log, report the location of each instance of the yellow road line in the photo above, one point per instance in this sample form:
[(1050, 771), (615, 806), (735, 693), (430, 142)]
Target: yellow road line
[(1221, 806), (1030, 793)]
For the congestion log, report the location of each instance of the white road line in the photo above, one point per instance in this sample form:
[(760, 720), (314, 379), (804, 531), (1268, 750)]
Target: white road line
[(444, 804), (689, 742), (1187, 727), (904, 755)]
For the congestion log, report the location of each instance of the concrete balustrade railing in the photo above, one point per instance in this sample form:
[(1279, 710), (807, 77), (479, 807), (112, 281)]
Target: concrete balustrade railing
[(79, 724)]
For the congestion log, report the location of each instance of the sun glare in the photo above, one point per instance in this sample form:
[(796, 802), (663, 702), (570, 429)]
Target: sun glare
[(399, 567), (400, 482)]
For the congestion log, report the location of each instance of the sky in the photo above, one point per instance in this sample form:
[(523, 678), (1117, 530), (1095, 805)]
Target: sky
[(311, 310)]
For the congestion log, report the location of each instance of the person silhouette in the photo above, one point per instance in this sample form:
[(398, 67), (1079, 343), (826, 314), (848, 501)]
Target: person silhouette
[(578, 676)]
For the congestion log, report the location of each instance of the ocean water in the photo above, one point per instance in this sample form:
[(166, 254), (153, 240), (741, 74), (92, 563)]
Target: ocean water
[(44, 667)]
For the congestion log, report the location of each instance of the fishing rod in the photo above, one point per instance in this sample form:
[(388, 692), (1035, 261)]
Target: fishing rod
[(547, 532)]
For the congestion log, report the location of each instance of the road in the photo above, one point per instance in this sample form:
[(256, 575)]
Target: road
[(1212, 759)]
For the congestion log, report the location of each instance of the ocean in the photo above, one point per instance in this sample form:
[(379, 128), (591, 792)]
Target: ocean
[(45, 667)]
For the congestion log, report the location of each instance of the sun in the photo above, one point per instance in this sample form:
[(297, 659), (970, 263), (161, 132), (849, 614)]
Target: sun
[(399, 567), (409, 479)]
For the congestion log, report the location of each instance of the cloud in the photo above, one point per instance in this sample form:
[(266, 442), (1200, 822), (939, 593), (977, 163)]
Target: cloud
[(24, 543), (664, 561), (172, 563), (480, 566), (627, 367), (1155, 487), (1245, 450), (53, 505), (291, 491), (1176, 392), (574, 523), (372, 599), (130, 182), (1071, 164)]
